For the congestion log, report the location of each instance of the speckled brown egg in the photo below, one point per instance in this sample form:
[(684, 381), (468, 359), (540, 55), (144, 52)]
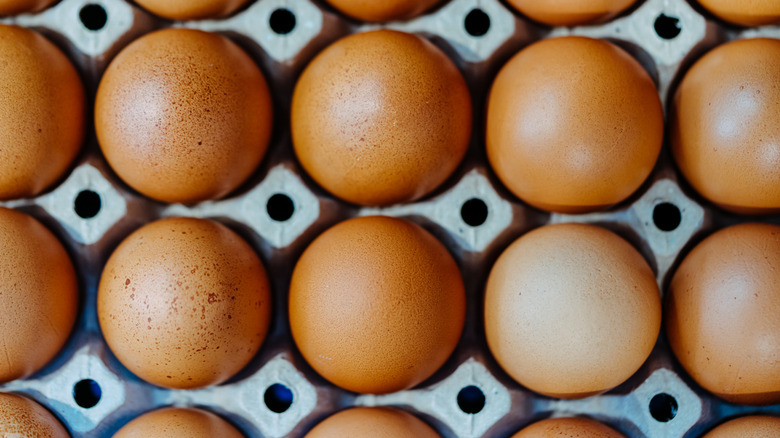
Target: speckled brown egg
[(377, 304), (184, 303), (570, 12), (178, 423), (12, 7), (22, 417), (571, 310), (745, 13), (183, 115), (191, 9), (725, 126), (754, 426), (378, 422), (574, 124), (41, 113), (385, 10), (566, 427), (380, 118), (722, 310), (38, 295)]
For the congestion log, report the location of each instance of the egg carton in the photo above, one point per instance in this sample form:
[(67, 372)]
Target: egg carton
[(280, 210)]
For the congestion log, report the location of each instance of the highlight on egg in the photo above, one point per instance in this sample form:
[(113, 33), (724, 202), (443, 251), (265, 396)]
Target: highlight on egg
[(382, 11), (378, 422), (13, 7), (571, 12), (752, 13), (20, 416), (178, 423), (751, 426), (566, 427), (191, 9)]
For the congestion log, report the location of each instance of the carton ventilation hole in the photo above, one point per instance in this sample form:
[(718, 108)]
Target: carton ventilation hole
[(87, 204), (474, 212), (477, 23), (280, 207), (666, 216), (471, 399), (282, 21), (87, 393), (667, 27), (663, 407), (93, 16), (278, 398)]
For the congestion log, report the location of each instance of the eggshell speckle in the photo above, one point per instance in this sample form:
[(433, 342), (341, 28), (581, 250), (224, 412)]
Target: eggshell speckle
[(568, 428), (571, 310), (574, 124), (178, 423), (377, 304), (38, 295), (184, 303), (385, 10), (722, 312), (191, 9), (373, 422), (22, 417), (381, 118), (745, 12), (12, 7), (41, 113), (183, 115), (570, 12), (725, 126), (755, 426)]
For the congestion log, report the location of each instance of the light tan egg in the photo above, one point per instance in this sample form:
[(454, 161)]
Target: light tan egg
[(378, 422), (571, 12), (385, 10), (178, 423), (20, 416), (745, 12), (754, 426), (568, 428), (191, 9)]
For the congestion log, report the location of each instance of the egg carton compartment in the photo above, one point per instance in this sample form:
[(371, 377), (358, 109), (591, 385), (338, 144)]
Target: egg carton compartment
[(281, 210)]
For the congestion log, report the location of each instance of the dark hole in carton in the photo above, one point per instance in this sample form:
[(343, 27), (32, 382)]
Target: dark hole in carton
[(667, 27), (282, 21), (666, 216), (93, 16), (86, 393), (280, 207), (278, 398), (87, 204), (474, 212), (663, 407), (477, 23), (471, 399)]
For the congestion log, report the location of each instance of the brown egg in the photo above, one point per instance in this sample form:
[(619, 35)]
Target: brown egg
[(377, 304), (183, 115), (725, 126), (372, 422), (41, 113), (178, 423), (191, 9), (184, 303), (571, 310), (755, 426), (571, 12), (38, 295), (22, 417), (745, 13), (568, 428), (722, 312), (574, 124), (385, 10), (12, 7), (380, 118)]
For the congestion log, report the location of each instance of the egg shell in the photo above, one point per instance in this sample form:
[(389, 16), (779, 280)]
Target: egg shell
[(721, 313), (12, 7), (378, 422), (381, 118), (385, 10), (41, 113), (183, 115), (191, 9), (184, 303), (725, 126), (571, 310), (568, 428), (23, 417), (754, 426), (178, 423), (745, 12), (570, 12), (377, 304), (38, 295), (574, 124)]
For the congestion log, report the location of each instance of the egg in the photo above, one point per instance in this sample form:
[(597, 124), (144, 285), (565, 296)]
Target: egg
[(38, 295), (571, 310), (377, 304), (184, 303), (41, 112), (377, 422), (386, 10), (721, 313), (23, 417), (380, 118), (178, 423), (754, 426), (570, 12), (191, 9), (183, 115), (725, 126), (752, 13), (12, 7), (566, 427), (574, 125)]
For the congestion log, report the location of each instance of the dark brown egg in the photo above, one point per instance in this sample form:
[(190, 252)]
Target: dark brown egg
[(178, 423), (570, 12), (372, 422), (384, 10), (191, 9), (22, 417), (754, 426), (568, 428), (745, 13)]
